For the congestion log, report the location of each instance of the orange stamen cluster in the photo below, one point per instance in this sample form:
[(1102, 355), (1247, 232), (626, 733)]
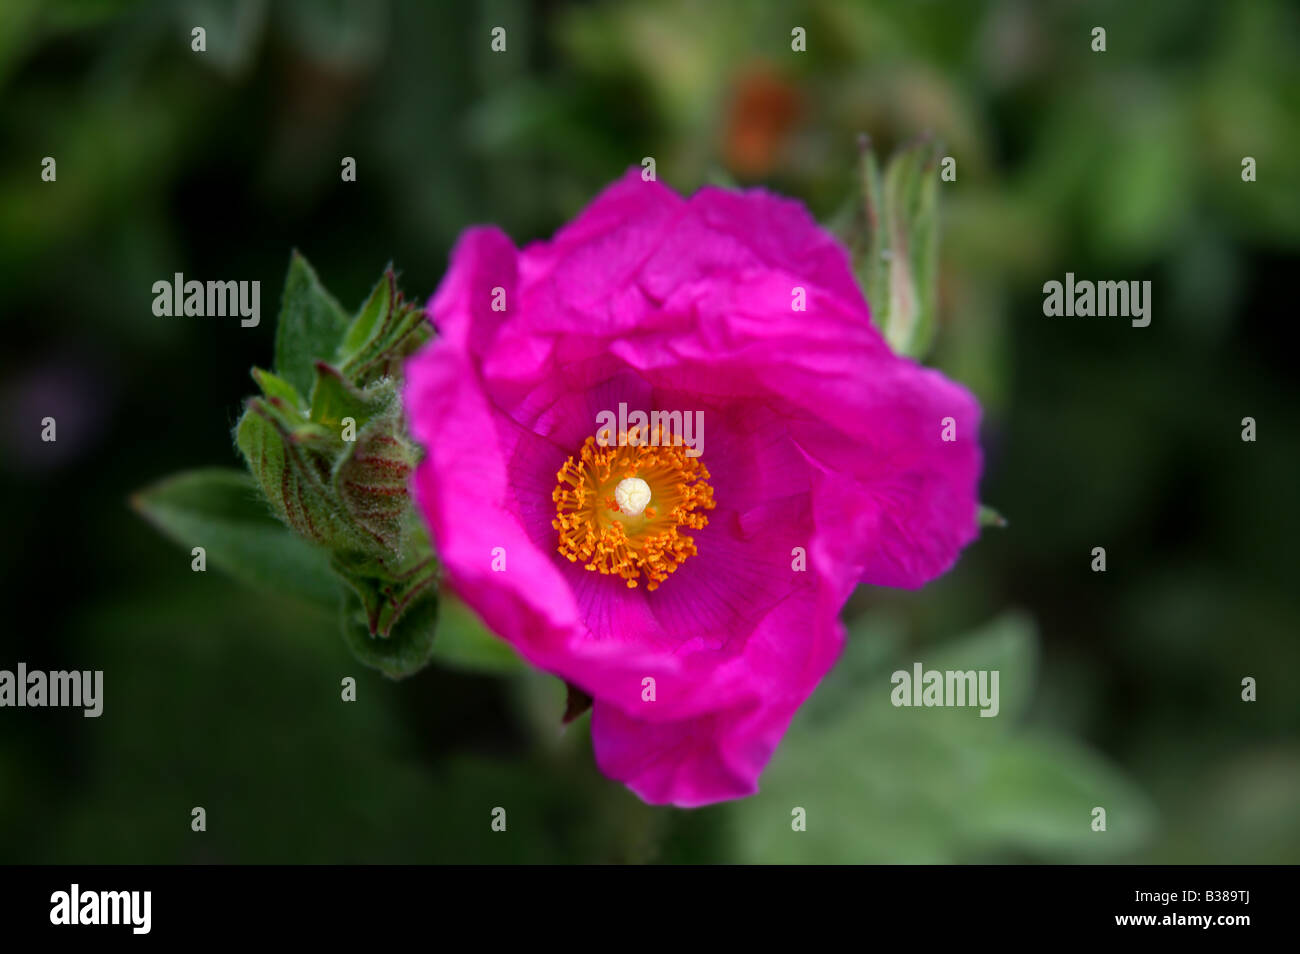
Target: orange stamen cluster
[(594, 530)]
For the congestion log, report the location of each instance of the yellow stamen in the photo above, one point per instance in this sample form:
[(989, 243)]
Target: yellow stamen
[(609, 539)]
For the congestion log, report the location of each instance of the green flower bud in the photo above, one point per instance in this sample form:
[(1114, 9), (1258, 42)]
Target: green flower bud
[(335, 465), (890, 227)]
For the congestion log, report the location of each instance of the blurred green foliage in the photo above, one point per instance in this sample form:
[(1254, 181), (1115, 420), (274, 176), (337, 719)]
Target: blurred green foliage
[(1121, 689)]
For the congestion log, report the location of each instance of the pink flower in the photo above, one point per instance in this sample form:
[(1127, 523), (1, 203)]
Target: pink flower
[(696, 625)]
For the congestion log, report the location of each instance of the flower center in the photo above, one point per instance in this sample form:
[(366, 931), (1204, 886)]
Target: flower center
[(621, 509), (632, 494)]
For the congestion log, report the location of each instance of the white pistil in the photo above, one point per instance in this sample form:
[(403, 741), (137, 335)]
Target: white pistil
[(632, 495)]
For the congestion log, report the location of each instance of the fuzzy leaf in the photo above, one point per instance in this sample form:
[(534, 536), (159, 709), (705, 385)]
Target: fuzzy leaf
[(222, 511), (387, 583), (408, 646), (371, 315), (386, 331), (333, 398), (882, 783), (274, 386), (310, 326)]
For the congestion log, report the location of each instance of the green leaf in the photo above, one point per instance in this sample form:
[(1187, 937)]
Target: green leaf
[(887, 784), (333, 398), (388, 588), (222, 511), (349, 496), (386, 331), (276, 387), (310, 326), (1037, 794), (368, 320), (988, 517), (406, 649), (1008, 645)]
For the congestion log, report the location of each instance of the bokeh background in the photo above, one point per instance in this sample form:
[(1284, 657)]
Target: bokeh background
[(1120, 690)]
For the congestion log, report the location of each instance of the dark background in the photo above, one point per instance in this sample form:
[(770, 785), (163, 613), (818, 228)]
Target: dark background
[(1120, 690)]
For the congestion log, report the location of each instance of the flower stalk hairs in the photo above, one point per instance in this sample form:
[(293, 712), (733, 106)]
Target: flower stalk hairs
[(549, 419)]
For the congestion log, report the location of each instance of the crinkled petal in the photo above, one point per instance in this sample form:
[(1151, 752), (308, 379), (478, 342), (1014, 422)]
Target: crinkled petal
[(819, 441)]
